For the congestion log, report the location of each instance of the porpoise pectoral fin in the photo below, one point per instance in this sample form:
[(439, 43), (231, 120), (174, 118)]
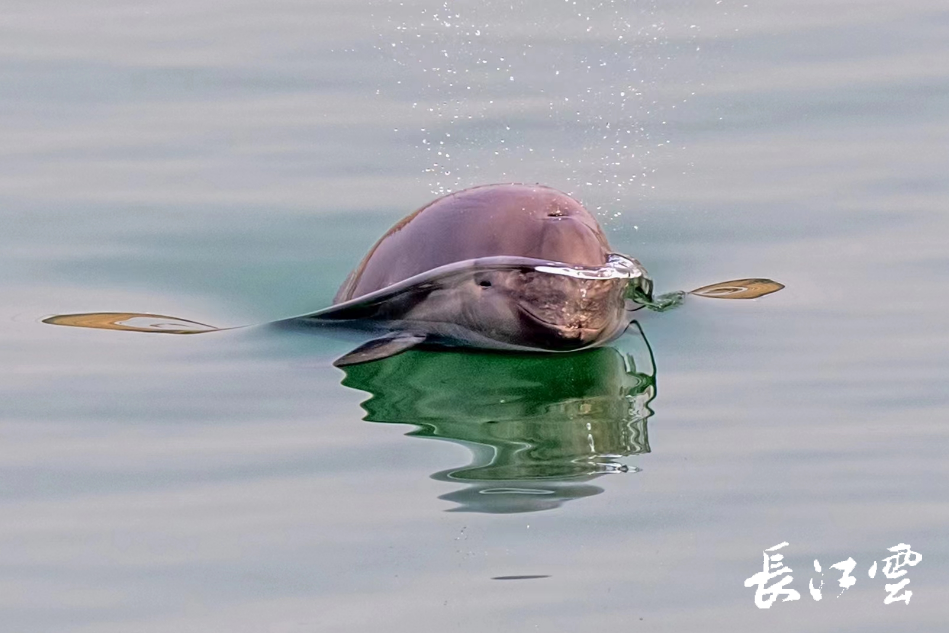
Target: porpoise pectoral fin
[(379, 348)]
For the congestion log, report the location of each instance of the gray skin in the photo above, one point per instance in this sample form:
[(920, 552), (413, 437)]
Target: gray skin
[(462, 271)]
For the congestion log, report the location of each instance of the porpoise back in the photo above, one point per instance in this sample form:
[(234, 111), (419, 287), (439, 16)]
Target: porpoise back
[(510, 219)]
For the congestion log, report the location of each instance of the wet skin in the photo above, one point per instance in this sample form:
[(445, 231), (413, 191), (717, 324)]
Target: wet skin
[(503, 308)]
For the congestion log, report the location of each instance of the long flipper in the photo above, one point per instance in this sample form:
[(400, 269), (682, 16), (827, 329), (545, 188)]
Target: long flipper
[(380, 348)]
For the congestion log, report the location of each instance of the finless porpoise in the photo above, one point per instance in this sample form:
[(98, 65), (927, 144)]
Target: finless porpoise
[(510, 267)]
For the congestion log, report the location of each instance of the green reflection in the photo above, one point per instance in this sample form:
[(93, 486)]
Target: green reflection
[(539, 426)]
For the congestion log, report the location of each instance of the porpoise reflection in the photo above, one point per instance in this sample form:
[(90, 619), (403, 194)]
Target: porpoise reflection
[(540, 427), (510, 267)]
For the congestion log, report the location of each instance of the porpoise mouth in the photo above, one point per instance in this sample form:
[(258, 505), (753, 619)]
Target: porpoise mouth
[(563, 323), (559, 335), (566, 308)]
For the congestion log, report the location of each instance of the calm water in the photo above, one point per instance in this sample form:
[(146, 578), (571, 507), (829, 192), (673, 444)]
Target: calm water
[(230, 162)]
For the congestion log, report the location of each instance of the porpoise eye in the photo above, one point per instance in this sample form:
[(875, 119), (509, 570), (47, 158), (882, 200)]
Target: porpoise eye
[(556, 213), (484, 283)]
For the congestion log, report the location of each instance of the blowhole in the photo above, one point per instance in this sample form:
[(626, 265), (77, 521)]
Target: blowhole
[(484, 283)]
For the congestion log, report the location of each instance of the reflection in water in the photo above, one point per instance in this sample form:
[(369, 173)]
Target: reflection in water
[(539, 426)]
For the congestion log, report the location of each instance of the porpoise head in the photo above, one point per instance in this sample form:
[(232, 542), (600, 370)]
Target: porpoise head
[(544, 305), (511, 266)]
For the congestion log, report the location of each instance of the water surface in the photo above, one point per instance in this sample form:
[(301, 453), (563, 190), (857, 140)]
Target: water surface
[(229, 164)]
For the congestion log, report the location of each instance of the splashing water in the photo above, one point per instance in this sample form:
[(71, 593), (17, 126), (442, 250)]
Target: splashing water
[(662, 302)]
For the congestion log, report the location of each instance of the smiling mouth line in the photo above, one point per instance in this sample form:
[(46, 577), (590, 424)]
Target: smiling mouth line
[(567, 330)]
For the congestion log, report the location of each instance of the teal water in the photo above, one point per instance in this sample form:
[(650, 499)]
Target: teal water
[(230, 163)]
